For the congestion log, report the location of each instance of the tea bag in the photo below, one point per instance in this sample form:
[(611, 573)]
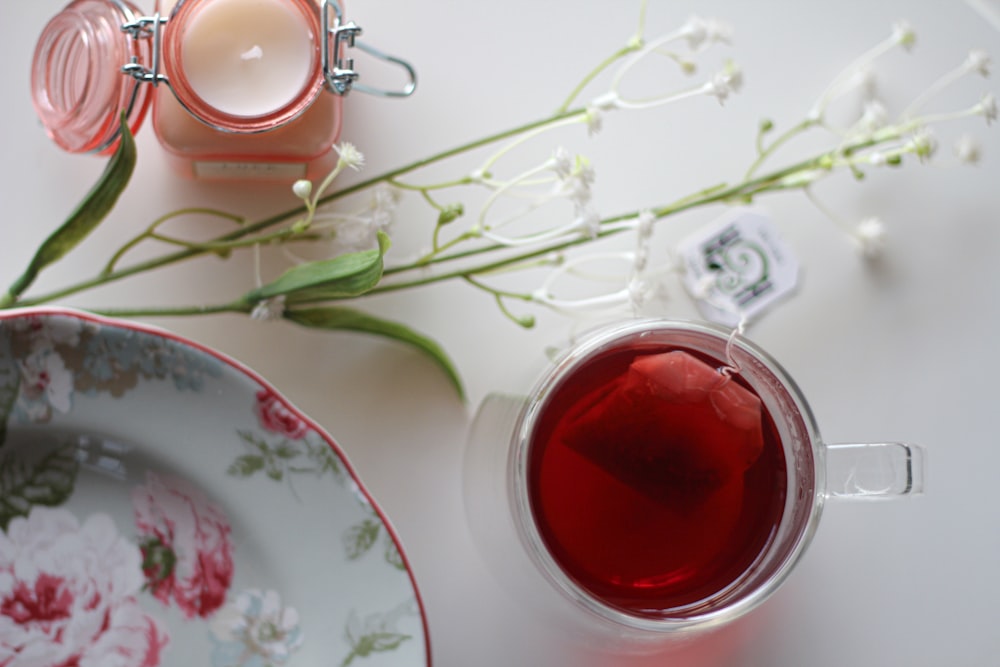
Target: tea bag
[(672, 427)]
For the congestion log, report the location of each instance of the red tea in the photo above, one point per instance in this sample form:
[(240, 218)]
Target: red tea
[(655, 479)]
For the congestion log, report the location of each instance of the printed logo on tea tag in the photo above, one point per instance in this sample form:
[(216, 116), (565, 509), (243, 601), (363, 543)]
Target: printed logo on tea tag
[(737, 267)]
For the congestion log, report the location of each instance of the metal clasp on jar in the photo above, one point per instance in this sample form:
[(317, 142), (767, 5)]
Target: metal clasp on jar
[(338, 69)]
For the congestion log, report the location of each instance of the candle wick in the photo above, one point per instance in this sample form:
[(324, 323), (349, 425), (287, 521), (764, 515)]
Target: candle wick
[(255, 53)]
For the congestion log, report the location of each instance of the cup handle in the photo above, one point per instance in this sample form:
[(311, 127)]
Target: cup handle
[(874, 471)]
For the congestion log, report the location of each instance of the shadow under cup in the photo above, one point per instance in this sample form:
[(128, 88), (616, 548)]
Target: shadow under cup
[(512, 520)]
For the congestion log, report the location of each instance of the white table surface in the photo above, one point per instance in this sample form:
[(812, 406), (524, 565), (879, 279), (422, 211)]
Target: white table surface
[(905, 349)]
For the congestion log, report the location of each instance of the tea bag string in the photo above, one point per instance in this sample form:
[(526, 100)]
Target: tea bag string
[(732, 366)]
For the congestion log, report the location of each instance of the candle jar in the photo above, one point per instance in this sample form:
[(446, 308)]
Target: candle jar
[(239, 89)]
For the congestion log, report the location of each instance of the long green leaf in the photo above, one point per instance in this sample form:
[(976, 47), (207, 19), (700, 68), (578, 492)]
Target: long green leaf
[(89, 213), (348, 319), (347, 275)]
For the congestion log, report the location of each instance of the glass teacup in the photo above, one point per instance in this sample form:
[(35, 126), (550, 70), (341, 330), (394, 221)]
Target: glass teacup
[(662, 477)]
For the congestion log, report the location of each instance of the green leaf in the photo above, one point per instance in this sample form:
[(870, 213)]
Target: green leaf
[(89, 213), (24, 484), (393, 556), (360, 538), (246, 465), (374, 642), (286, 451), (348, 319), (350, 274)]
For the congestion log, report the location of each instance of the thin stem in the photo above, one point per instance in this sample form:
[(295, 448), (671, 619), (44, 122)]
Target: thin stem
[(238, 306), (634, 44), (464, 180), (499, 296), (594, 73), (149, 231), (778, 142)]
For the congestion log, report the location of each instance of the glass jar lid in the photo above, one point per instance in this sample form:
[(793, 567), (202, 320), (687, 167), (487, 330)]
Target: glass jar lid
[(78, 85)]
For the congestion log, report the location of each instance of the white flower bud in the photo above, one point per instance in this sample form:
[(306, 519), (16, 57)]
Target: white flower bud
[(869, 236), (269, 309), (904, 34), (302, 189), (594, 120)]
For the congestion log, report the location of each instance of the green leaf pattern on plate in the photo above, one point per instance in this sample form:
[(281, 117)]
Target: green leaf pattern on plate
[(47, 480), (376, 633)]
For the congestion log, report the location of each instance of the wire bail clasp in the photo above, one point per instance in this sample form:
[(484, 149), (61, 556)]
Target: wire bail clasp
[(145, 27), (338, 70)]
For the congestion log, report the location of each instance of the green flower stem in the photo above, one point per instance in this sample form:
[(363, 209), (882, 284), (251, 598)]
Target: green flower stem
[(779, 141), (150, 231), (265, 223), (238, 306), (608, 62), (424, 189), (632, 46)]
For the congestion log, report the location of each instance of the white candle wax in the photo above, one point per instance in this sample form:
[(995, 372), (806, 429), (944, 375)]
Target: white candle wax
[(247, 57)]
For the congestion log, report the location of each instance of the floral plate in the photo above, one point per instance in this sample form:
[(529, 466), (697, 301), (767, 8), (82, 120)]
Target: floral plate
[(160, 504)]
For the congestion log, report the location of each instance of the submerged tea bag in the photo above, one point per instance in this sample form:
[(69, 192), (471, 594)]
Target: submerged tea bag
[(672, 427)]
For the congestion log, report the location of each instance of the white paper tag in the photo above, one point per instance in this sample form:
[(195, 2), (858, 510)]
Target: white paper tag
[(737, 267), (249, 170)]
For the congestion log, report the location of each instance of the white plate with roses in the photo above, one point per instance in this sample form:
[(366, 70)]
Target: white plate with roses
[(161, 504)]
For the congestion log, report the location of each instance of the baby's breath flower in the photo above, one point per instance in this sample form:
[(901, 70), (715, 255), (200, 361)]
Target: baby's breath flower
[(589, 222), (701, 32), (576, 181), (302, 189), (904, 35), (725, 82), (705, 287), (987, 107), (350, 156), (869, 236), (562, 163), (639, 293), (644, 224), (594, 120), (874, 116), (269, 309), (923, 144), (978, 61), (967, 149), (384, 200)]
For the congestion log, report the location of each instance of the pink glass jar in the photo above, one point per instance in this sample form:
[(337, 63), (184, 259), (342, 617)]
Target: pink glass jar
[(239, 89)]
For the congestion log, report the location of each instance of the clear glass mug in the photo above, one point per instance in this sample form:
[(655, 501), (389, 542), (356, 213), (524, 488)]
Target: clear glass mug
[(515, 524)]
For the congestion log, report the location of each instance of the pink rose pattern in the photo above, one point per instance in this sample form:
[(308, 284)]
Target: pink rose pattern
[(68, 595), (187, 554), (277, 417)]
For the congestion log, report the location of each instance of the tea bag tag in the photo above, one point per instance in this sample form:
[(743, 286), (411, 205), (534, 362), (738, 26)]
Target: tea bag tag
[(737, 267)]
